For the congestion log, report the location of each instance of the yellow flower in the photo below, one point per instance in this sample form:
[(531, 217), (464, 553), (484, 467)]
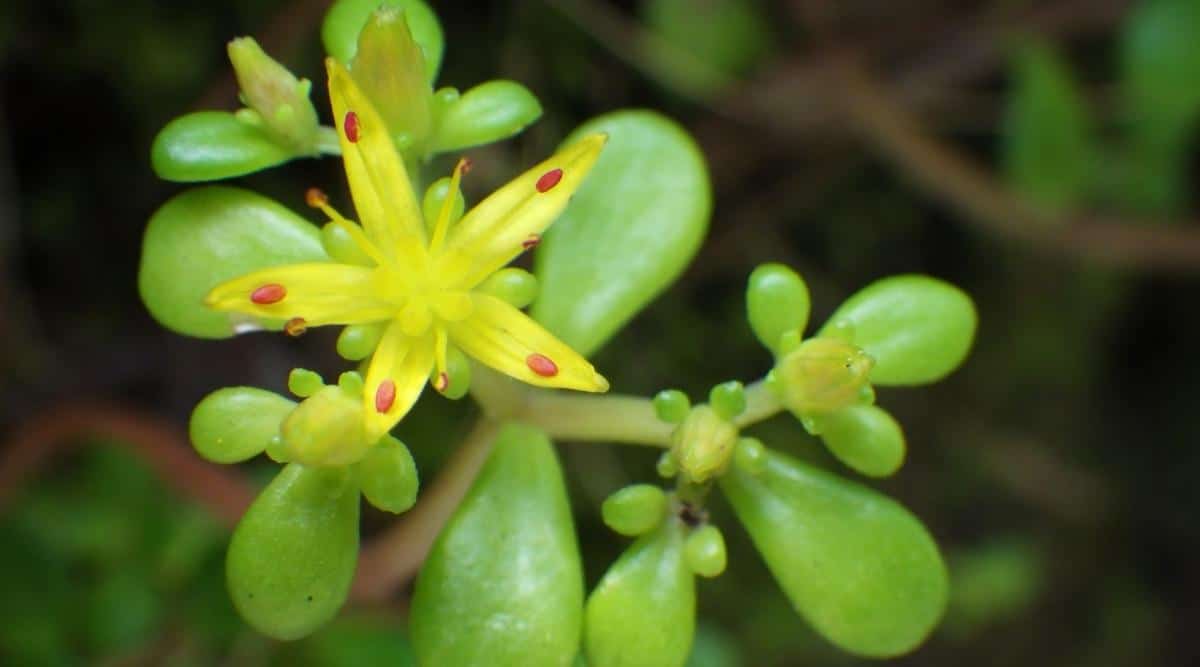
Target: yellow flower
[(424, 288)]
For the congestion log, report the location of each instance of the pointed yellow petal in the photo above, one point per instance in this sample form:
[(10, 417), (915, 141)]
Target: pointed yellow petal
[(379, 183), (320, 293), (397, 374), (506, 339), (513, 218)]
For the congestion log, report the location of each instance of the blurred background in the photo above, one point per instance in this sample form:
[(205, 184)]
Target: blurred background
[(1041, 155)]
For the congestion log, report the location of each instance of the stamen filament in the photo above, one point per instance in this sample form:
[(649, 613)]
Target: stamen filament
[(443, 219)]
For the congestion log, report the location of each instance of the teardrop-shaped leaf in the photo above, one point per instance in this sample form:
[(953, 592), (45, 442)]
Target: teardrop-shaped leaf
[(861, 568), (777, 302), (237, 423), (1048, 152), (211, 145), (503, 583), (346, 18), (918, 329), (208, 235), (643, 612), (293, 554), (488, 112), (629, 231), (388, 476), (865, 438)]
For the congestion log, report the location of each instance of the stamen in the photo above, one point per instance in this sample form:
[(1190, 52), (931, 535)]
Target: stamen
[(541, 365), (442, 383), (443, 220), (549, 180), (532, 241), (350, 125), (464, 165), (385, 395), (295, 326), (315, 198), (268, 294)]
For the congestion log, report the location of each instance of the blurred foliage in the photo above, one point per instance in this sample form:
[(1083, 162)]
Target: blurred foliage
[(1068, 432)]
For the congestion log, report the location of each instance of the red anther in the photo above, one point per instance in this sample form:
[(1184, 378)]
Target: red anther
[(464, 165), (350, 125), (542, 365), (315, 198), (442, 383), (385, 395), (268, 294), (549, 180), (295, 326), (531, 242)]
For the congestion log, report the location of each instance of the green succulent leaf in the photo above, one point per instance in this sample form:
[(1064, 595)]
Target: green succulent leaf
[(634, 510), (777, 302), (346, 18), (488, 112), (857, 565), (629, 231), (237, 423), (865, 438), (208, 235), (1160, 61), (212, 145), (917, 329), (503, 584), (292, 556), (721, 38), (388, 476), (1048, 152), (643, 612)]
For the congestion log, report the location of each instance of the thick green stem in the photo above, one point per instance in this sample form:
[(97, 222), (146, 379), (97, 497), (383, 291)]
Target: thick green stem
[(761, 404)]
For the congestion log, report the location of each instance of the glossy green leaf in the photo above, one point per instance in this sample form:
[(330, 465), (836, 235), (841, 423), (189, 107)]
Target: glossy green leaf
[(1048, 153), (293, 554), (208, 235), (237, 423), (503, 583), (488, 112), (672, 406), (918, 329), (629, 231), (865, 438), (704, 551), (346, 18), (861, 568), (634, 510), (211, 145), (388, 476), (643, 612), (777, 302)]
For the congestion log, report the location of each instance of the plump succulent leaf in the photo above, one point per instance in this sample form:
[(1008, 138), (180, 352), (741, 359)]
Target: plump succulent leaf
[(865, 438), (237, 423), (346, 18), (212, 145)]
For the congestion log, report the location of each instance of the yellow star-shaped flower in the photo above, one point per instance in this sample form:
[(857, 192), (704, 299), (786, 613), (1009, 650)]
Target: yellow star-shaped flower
[(424, 288)]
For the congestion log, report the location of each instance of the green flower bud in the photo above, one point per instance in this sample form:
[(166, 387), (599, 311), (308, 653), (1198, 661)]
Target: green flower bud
[(777, 303), (488, 112), (635, 510), (346, 18), (643, 612), (304, 383), (237, 423), (728, 399), (292, 556), (435, 196), (672, 406), (390, 68), (749, 455), (358, 341), (517, 287), (821, 375), (279, 98), (704, 551), (703, 444), (865, 438), (388, 476), (326, 429)]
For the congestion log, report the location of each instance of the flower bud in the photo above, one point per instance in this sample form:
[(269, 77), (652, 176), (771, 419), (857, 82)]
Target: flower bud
[(821, 375), (326, 429), (390, 69), (279, 98), (703, 444)]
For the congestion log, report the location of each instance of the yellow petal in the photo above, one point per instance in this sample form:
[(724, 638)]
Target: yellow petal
[(320, 293), (404, 362), (513, 218), (506, 339), (379, 183)]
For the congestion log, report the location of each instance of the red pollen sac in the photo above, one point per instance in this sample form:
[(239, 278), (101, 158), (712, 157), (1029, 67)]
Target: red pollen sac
[(268, 294), (542, 365), (549, 180), (350, 125), (315, 198), (531, 242), (385, 395), (442, 383), (295, 326)]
